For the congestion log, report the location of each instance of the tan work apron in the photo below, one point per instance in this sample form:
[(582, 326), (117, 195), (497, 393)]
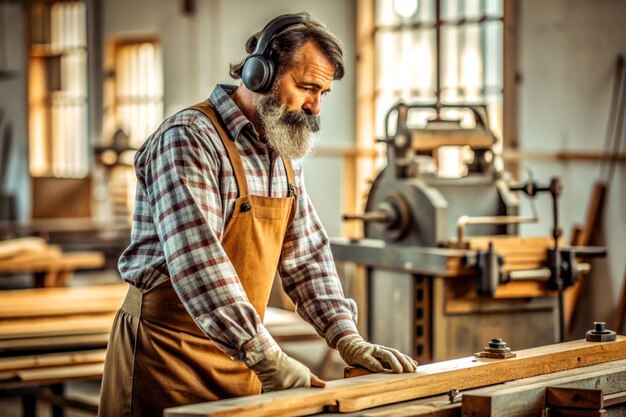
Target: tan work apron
[(157, 356)]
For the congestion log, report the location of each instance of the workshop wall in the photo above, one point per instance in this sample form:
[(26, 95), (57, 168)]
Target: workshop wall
[(197, 48), (567, 57)]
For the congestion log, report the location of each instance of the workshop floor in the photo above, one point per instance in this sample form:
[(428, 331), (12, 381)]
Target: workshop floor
[(322, 361)]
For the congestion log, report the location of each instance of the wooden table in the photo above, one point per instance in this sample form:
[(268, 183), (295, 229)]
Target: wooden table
[(49, 336), (51, 267)]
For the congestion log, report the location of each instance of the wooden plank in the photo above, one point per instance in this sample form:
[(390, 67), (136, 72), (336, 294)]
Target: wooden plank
[(50, 360), (13, 247), (587, 398), (61, 374), (374, 390), (62, 301), (56, 325), (47, 343), (523, 289), (615, 398), (526, 398), (512, 244), (52, 259), (426, 410), (519, 398)]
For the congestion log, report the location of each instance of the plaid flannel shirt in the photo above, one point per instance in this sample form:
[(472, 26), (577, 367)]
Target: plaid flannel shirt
[(186, 191)]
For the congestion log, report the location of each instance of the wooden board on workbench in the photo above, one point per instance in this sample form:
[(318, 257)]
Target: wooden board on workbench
[(526, 397), (378, 389), (519, 398)]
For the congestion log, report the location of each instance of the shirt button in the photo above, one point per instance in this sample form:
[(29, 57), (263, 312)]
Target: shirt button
[(245, 207)]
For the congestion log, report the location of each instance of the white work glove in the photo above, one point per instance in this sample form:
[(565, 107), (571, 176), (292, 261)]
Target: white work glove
[(278, 372), (356, 351)]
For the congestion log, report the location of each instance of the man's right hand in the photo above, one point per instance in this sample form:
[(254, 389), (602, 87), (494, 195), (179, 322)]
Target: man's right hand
[(278, 372)]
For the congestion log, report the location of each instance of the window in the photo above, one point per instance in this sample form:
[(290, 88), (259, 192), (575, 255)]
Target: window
[(136, 91), (439, 52), (58, 90), (133, 110)]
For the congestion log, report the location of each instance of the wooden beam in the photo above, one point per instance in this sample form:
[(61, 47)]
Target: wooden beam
[(50, 360), (47, 343), (61, 374), (368, 391), (56, 326), (62, 301), (587, 398), (15, 247), (52, 259), (563, 156), (519, 398), (527, 397)]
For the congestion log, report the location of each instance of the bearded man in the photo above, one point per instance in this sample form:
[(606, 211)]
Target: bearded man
[(220, 208)]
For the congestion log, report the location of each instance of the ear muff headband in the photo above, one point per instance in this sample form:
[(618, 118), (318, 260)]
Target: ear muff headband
[(258, 69)]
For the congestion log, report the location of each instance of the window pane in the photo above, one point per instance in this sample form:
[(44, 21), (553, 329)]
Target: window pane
[(471, 9), (471, 57), (450, 10), (426, 11), (493, 8), (396, 12), (406, 61), (493, 55), (385, 13), (471, 60), (139, 90), (450, 64)]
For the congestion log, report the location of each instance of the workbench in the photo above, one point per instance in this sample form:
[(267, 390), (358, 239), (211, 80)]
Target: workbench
[(519, 386), (527, 397), (50, 266)]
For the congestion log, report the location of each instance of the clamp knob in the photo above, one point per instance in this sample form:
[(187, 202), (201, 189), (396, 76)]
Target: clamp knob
[(600, 333)]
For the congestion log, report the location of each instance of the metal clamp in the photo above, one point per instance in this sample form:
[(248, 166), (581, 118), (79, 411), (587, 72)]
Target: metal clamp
[(497, 349), (600, 334)]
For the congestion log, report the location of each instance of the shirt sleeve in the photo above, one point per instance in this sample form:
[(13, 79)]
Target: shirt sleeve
[(180, 172), (309, 275)]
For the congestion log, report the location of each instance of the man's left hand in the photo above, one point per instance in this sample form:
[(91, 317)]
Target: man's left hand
[(356, 351)]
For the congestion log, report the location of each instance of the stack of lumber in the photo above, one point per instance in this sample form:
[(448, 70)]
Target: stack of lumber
[(49, 334), (68, 320), (53, 268)]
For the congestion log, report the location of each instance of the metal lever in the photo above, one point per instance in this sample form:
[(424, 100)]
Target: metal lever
[(378, 216)]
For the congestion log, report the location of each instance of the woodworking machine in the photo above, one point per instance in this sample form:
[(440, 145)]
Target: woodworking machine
[(443, 262)]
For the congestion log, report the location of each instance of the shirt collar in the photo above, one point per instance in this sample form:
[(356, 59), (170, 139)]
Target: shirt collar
[(233, 118)]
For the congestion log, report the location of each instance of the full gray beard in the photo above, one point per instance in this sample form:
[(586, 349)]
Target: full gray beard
[(288, 133)]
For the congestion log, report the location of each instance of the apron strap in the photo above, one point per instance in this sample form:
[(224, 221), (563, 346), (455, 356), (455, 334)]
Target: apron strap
[(233, 154), (291, 182)]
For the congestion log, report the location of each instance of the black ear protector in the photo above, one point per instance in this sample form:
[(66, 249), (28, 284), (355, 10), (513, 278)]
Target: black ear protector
[(258, 69)]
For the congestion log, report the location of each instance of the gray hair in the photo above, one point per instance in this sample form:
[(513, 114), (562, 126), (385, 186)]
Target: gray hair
[(285, 43)]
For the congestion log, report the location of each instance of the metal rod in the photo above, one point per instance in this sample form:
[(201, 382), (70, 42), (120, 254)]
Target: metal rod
[(541, 274), (463, 221), (369, 216)]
